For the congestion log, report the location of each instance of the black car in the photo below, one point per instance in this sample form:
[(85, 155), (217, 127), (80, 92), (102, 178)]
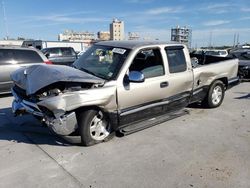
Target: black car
[(60, 55), (244, 61), (12, 58)]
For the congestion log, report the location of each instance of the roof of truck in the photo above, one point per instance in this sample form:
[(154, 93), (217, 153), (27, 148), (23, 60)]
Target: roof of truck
[(130, 44)]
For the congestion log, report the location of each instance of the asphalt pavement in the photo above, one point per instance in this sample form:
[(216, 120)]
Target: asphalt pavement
[(205, 148)]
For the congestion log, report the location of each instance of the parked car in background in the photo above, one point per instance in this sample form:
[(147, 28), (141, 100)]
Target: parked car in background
[(218, 53), (243, 54), (60, 55), (12, 58)]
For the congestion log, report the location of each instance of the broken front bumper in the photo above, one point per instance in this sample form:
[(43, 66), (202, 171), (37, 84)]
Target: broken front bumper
[(62, 124)]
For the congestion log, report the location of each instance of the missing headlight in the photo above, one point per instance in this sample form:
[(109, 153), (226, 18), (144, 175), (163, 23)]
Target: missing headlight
[(50, 93)]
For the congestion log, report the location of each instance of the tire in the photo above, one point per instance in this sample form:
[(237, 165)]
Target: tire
[(215, 95), (94, 127)]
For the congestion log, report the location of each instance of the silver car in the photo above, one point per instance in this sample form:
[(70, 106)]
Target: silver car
[(12, 58)]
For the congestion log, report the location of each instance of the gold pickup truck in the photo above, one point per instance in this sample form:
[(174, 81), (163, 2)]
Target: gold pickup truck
[(120, 86)]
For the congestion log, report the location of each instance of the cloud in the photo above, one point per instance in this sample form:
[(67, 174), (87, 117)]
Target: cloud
[(215, 22), (67, 18), (245, 9), (164, 10), (151, 33), (245, 18), (218, 8), (139, 1), (57, 18)]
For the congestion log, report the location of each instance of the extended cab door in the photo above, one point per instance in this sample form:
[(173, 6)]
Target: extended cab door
[(179, 76), (161, 89)]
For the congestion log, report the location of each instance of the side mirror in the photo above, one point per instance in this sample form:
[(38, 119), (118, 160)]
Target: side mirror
[(136, 76)]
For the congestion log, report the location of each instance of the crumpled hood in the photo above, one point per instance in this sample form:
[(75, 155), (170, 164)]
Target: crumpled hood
[(244, 62), (36, 77)]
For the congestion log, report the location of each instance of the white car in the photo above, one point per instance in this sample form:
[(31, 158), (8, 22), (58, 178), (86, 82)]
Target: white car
[(219, 53)]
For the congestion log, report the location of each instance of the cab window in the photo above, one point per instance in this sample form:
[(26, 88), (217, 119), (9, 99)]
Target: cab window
[(176, 59), (149, 62), (67, 51)]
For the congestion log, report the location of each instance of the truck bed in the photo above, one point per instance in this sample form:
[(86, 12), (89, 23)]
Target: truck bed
[(204, 74)]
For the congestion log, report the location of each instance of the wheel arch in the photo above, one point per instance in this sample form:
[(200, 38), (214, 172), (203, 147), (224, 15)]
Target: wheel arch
[(224, 81), (112, 116)]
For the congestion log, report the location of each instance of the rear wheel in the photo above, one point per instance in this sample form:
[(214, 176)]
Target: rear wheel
[(215, 95), (94, 127)]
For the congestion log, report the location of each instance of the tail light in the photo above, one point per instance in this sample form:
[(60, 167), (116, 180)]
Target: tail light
[(48, 62)]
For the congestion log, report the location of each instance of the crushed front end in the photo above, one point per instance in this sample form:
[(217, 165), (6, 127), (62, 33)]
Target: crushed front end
[(53, 93), (61, 122)]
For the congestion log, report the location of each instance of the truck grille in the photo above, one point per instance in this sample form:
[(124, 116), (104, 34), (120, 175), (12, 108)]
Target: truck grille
[(20, 92)]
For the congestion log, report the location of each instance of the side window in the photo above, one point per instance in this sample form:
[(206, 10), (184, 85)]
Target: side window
[(27, 56), (54, 52), (66, 51), (6, 57), (176, 59), (149, 62)]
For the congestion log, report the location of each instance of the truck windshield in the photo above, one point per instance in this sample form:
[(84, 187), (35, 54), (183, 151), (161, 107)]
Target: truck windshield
[(102, 61)]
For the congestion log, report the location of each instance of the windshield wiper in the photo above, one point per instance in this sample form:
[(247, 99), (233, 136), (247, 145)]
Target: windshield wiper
[(92, 73)]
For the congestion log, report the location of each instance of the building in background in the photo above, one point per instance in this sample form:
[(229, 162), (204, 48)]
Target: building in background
[(117, 30), (133, 36), (182, 35), (11, 42), (103, 35), (73, 36)]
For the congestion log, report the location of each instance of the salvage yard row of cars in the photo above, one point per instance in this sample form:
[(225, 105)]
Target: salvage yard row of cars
[(120, 86), (12, 58)]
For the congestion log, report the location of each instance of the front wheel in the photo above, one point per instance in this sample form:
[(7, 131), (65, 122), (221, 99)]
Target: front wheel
[(215, 95), (94, 127)]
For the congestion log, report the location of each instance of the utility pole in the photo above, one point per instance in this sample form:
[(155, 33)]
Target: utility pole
[(234, 39), (5, 21), (210, 39), (237, 39)]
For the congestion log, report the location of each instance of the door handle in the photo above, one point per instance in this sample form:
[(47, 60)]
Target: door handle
[(164, 84)]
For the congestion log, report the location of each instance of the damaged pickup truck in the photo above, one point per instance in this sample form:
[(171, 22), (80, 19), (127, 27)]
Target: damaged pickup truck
[(120, 86)]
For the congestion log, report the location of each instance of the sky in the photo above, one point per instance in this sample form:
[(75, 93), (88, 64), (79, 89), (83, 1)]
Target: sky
[(212, 22)]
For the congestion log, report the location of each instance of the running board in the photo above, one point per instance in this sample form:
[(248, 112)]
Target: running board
[(131, 128)]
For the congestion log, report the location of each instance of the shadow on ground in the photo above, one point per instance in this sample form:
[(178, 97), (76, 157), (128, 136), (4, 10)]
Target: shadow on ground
[(245, 96), (26, 129), (5, 95)]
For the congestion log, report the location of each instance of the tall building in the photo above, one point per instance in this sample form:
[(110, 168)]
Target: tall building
[(74, 36), (117, 30), (103, 35), (182, 35), (133, 36)]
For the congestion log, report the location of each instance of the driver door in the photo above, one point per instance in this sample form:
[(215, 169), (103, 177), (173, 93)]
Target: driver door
[(165, 89), (137, 101)]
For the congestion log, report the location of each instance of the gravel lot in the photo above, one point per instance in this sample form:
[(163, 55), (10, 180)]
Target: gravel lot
[(206, 148)]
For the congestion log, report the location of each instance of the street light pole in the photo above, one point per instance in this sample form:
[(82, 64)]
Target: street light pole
[(5, 21)]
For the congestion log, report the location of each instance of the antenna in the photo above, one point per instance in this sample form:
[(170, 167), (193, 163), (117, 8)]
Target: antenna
[(5, 21)]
